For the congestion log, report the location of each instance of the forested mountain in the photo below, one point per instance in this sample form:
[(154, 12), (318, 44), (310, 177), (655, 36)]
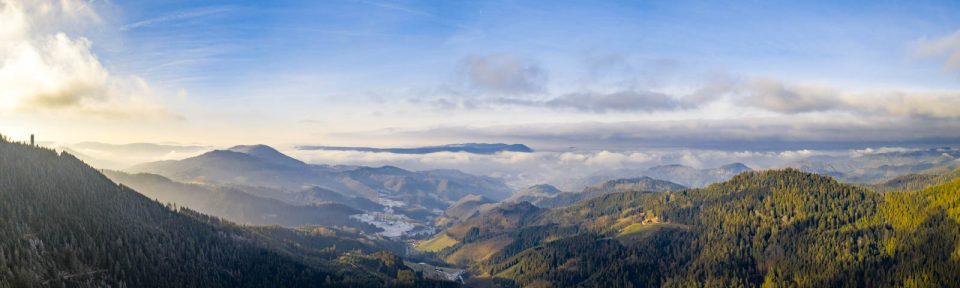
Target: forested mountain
[(262, 166), (236, 205), (63, 224), (558, 199), (781, 228)]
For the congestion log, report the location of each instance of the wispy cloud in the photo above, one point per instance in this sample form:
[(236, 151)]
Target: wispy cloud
[(395, 7), (945, 48), (177, 16)]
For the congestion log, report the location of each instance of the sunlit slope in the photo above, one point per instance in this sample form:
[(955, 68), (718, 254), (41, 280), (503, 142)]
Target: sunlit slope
[(780, 228)]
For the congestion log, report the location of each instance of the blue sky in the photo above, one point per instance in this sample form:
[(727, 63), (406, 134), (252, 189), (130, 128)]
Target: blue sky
[(551, 73), (411, 43)]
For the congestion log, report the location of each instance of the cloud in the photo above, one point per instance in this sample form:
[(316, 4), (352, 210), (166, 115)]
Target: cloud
[(44, 69), (597, 102), (556, 167), (787, 98), (776, 96), (923, 104), (946, 48), (178, 16), (503, 73), (774, 132), (628, 100)]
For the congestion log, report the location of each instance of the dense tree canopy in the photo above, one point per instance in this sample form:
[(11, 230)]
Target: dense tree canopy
[(63, 224), (782, 228)]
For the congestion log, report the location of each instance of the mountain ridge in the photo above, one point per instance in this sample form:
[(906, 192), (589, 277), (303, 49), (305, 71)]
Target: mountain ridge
[(473, 148)]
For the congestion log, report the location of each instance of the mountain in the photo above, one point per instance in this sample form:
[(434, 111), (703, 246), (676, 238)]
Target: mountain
[(231, 167), (237, 205), (873, 168), (429, 189), (268, 154), (558, 199), (692, 177), (917, 181), (317, 195), (474, 148), (263, 166), (463, 209), (480, 237), (779, 228), (534, 193), (676, 173), (64, 224)]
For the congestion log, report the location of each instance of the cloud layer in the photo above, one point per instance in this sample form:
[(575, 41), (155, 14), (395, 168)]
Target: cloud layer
[(564, 169)]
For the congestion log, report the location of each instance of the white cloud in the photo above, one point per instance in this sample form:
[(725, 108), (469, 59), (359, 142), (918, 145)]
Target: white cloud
[(45, 69), (503, 73), (777, 96), (946, 48)]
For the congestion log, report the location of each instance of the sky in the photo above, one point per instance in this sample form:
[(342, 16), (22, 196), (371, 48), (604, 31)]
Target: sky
[(617, 75)]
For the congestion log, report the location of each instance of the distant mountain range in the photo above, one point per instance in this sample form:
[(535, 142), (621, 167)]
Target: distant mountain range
[(878, 167), (261, 166), (546, 196), (676, 173), (475, 148)]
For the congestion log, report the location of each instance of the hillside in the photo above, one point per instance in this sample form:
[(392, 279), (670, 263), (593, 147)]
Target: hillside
[(62, 223), (463, 209), (236, 205), (780, 228)]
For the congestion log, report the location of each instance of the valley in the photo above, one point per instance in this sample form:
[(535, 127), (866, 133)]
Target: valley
[(479, 144)]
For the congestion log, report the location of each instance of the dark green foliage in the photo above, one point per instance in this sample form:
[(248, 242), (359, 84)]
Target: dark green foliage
[(63, 224), (781, 228)]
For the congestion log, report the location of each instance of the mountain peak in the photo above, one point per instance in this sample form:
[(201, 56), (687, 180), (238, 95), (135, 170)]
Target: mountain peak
[(736, 166), (267, 154), (543, 188)]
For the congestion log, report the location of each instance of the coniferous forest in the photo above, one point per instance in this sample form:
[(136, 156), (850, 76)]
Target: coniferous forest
[(780, 228), (63, 224), (482, 144), (66, 225)]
